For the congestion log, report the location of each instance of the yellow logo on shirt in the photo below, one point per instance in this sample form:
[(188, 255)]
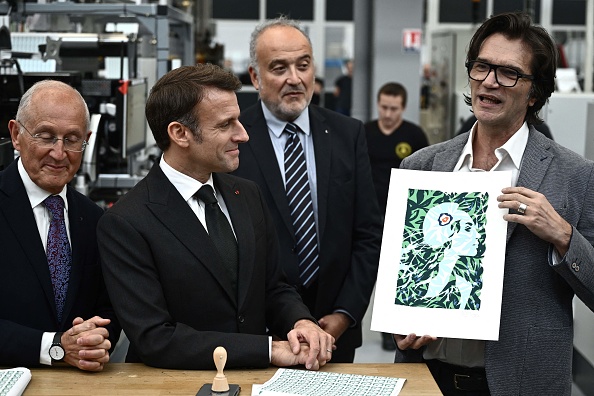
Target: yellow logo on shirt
[(403, 150)]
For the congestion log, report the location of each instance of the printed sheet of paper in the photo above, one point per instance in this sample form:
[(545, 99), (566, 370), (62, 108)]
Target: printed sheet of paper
[(290, 382), (443, 254)]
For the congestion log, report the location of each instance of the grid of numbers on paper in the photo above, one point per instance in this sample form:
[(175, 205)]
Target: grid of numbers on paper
[(300, 382), (7, 380)]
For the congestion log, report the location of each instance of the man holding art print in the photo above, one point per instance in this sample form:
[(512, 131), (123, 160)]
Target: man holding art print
[(511, 65)]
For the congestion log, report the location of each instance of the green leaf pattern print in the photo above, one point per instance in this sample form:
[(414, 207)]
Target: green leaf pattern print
[(443, 246)]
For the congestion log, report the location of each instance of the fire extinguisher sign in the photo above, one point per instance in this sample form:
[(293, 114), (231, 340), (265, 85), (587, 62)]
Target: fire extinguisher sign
[(411, 40)]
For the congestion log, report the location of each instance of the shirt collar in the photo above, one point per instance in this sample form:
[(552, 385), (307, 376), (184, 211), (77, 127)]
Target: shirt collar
[(514, 147), (35, 193), (185, 185), (278, 126)]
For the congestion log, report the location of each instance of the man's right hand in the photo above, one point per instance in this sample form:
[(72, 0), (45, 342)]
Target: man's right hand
[(283, 356), (411, 341), (86, 343)]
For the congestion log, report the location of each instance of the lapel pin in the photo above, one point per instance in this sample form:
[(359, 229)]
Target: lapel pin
[(236, 192), (326, 130)]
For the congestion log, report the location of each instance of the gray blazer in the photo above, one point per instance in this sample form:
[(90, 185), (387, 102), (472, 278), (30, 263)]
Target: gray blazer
[(534, 352)]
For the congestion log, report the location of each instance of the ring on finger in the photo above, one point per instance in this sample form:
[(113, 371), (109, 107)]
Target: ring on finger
[(522, 208)]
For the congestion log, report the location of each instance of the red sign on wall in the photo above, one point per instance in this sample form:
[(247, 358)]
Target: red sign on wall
[(411, 40)]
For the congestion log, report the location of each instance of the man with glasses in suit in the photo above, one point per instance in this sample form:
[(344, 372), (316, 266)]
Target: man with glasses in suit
[(549, 257), (55, 306)]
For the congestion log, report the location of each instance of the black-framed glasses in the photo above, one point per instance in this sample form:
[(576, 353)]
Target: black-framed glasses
[(505, 76), (47, 140)]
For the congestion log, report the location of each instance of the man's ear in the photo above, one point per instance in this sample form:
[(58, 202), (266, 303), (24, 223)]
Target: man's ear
[(14, 129), (179, 134), (254, 77)]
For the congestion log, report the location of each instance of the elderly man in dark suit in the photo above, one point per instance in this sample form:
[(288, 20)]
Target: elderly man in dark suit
[(313, 168), (54, 302), (549, 256), (190, 254)]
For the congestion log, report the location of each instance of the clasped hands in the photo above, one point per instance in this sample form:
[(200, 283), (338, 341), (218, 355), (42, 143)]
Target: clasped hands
[(307, 344), (86, 343)]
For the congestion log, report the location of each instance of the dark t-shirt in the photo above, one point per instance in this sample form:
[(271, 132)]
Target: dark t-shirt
[(343, 101), (386, 152)]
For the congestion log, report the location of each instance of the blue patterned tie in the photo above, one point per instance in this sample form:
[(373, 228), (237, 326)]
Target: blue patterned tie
[(59, 257), (300, 203)]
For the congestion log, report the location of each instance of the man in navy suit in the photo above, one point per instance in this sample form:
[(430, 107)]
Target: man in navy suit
[(176, 288), (347, 224), (36, 326), (549, 255)]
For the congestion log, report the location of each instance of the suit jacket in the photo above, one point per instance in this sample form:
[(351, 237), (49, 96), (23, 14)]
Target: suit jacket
[(28, 308), (348, 215), (534, 353), (170, 290)]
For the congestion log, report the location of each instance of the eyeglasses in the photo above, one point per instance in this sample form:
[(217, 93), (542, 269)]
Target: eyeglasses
[(47, 140), (505, 76)]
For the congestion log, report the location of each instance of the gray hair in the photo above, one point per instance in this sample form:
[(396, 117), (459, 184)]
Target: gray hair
[(23, 113), (280, 21)]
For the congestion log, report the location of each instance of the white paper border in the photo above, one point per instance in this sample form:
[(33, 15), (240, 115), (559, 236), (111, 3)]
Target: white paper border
[(482, 324)]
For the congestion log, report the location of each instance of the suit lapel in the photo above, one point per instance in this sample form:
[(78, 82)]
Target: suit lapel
[(16, 208), (244, 232), (322, 136), (446, 160), (266, 158), (535, 163), (168, 206), (77, 243)]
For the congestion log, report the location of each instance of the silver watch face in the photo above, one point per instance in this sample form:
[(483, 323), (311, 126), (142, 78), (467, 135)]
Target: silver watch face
[(56, 352)]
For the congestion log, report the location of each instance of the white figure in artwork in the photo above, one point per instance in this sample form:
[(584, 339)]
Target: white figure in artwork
[(445, 224)]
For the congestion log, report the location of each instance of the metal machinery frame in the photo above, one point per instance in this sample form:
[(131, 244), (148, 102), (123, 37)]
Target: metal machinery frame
[(164, 33), (159, 20)]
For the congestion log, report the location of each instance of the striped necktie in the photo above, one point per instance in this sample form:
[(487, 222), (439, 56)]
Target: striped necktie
[(300, 203), (59, 256)]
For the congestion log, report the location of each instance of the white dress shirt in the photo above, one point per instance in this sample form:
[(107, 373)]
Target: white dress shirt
[(188, 186)]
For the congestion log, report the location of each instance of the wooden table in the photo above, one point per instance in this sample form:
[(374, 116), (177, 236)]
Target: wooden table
[(138, 379)]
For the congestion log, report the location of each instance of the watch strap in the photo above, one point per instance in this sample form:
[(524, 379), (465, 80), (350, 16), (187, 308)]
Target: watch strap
[(58, 338)]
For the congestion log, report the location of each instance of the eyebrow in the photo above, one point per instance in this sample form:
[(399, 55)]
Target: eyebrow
[(516, 68), (277, 61)]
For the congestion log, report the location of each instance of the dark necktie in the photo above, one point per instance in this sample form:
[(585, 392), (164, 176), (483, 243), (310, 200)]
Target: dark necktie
[(59, 257), (300, 203), (220, 231)]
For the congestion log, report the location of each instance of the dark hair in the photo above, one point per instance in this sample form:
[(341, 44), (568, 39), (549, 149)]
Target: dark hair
[(393, 89), (514, 26), (175, 95)]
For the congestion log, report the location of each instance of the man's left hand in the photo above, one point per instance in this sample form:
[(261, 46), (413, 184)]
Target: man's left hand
[(335, 324), (539, 216), (321, 344)]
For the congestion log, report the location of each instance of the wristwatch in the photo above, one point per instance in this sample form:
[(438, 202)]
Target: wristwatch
[(56, 351)]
